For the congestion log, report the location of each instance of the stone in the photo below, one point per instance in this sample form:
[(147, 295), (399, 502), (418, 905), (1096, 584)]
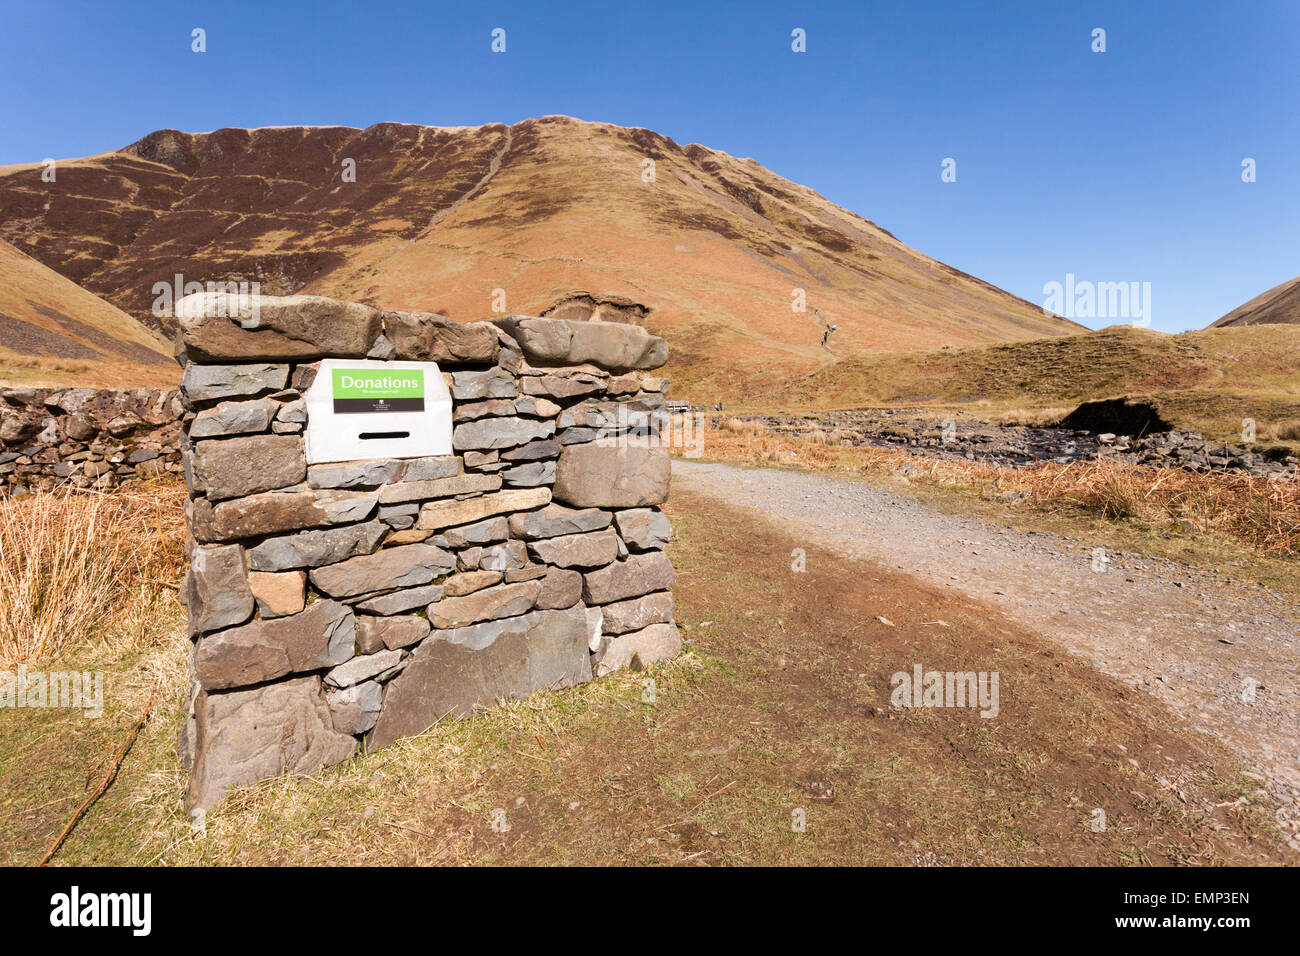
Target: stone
[(400, 601), (481, 532), (355, 709), (638, 613), (560, 588), (527, 572), (534, 405), (247, 735), (591, 550), (644, 529), (354, 474), (502, 600), (431, 468), (408, 566), (278, 594), (293, 413), (638, 649), (478, 459), (311, 549), (577, 435), (447, 514), (237, 467), (639, 574), (285, 328), (595, 628), (491, 433), (398, 631), (458, 672), (556, 520), (321, 636), (467, 582), (234, 418), (469, 411), (465, 484), (533, 451), (207, 383), (503, 557), (216, 589), (407, 536), (612, 475), (561, 386), (362, 668), (80, 427), (613, 346), (277, 512), (530, 475), (493, 383), (426, 337)]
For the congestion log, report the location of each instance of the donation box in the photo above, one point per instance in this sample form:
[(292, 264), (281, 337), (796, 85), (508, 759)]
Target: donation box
[(370, 409)]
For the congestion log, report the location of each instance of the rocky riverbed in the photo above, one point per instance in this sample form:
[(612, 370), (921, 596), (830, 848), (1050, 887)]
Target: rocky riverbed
[(1017, 445)]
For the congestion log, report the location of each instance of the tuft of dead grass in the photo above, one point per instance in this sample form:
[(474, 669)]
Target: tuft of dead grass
[(73, 562)]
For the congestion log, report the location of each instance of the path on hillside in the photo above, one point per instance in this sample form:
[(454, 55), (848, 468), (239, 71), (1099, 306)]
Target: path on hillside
[(1153, 623)]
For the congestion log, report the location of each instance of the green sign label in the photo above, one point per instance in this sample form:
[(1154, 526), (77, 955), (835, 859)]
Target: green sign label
[(362, 390)]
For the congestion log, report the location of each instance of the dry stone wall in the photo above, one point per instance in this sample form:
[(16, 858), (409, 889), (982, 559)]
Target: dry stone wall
[(338, 606), (86, 437)]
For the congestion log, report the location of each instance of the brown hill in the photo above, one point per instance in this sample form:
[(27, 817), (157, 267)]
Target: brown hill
[(554, 212), (52, 331), (1280, 305)]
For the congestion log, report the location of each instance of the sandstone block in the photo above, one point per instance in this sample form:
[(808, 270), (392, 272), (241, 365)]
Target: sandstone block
[(216, 589), (638, 649), (638, 613), (279, 594), (591, 550), (312, 549), (446, 514), (244, 466), (556, 520), (503, 600)]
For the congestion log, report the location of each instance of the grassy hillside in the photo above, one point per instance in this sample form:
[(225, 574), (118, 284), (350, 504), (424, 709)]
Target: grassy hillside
[(1209, 380), (54, 332)]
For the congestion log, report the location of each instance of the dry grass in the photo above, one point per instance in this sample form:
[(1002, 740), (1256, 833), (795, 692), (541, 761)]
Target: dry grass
[(1286, 431), (72, 562), (1262, 512)]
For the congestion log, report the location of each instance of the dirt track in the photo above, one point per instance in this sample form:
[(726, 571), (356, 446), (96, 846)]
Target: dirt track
[(1159, 625)]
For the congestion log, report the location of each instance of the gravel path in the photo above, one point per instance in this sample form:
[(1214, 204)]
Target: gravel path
[(1191, 637)]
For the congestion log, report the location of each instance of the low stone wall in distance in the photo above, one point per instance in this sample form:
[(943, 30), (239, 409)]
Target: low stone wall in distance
[(343, 605), (86, 437)]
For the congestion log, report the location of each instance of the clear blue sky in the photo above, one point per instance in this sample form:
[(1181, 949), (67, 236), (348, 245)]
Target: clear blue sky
[(1115, 166)]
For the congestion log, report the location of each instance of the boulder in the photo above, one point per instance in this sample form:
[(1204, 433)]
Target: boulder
[(613, 346), (426, 337), (321, 636), (220, 326), (246, 735), (599, 475)]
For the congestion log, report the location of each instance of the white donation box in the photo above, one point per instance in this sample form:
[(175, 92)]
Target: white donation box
[(369, 409)]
